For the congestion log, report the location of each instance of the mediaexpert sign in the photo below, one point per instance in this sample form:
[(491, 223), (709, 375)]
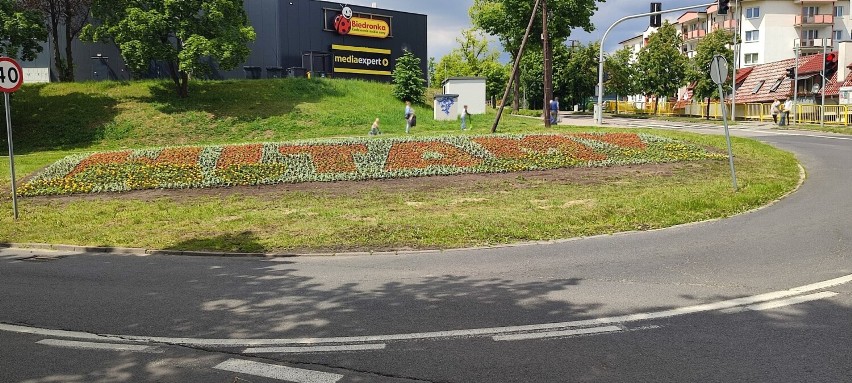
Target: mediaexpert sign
[(361, 60)]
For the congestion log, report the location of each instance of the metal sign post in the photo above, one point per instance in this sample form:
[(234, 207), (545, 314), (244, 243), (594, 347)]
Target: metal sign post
[(719, 74), (11, 78)]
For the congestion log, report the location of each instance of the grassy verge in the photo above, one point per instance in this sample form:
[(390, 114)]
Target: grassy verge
[(335, 217)]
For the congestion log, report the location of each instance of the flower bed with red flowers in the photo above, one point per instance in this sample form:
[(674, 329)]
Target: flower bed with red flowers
[(350, 159)]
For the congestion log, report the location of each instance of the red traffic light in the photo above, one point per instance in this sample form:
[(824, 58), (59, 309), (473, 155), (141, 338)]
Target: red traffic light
[(831, 57)]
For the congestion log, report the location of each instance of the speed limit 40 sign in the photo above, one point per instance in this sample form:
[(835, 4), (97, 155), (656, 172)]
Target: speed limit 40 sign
[(11, 75)]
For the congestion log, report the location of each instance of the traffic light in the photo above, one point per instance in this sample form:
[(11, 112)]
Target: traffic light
[(723, 6), (791, 72), (830, 64), (656, 20)]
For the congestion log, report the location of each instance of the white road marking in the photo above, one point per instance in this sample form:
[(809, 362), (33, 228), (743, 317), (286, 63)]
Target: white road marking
[(272, 371), (790, 301), (94, 346), (490, 331), (307, 349), (556, 334)]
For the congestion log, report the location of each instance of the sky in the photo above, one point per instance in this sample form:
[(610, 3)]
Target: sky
[(447, 18)]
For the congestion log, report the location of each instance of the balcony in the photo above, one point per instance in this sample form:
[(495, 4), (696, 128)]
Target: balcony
[(814, 20), (694, 35), (729, 25), (813, 44)]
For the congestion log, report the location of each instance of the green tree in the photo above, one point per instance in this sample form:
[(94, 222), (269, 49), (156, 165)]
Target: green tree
[(473, 57), (189, 35), (65, 19), (661, 65), (576, 72), (621, 72), (21, 30), (508, 19), (532, 78), (408, 83), (715, 43), (451, 65), (431, 70)]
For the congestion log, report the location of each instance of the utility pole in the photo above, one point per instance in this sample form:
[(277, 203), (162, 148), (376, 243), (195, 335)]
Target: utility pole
[(515, 68), (548, 65)]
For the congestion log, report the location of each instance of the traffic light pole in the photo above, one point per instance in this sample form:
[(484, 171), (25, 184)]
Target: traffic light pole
[(599, 106), (822, 89), (795, 89), (735, 64)]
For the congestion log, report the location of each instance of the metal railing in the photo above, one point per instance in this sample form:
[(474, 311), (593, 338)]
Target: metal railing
[(837, 115), (639, 107)]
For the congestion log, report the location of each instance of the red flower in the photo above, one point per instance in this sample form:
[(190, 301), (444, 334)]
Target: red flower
[(415, 155), (100, 159), (239, 155), (331, 158)]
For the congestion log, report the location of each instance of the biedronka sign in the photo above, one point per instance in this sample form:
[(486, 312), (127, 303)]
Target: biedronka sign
[(346, 24)]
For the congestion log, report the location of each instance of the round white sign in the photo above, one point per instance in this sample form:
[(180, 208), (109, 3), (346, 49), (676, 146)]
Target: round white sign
[(11, 75), (719, 70)]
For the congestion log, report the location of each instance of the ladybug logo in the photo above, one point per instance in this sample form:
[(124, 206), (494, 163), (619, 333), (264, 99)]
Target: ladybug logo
[(342, 25), (347, 12)]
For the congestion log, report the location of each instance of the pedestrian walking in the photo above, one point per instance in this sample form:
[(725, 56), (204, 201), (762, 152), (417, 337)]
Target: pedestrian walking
[(776, 109), (374, 130), (409, 116), (788, 107), (465, 118), (556, 114), (553, 110)]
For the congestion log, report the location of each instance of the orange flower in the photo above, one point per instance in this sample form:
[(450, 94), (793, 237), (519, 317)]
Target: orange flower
[(416, 155)]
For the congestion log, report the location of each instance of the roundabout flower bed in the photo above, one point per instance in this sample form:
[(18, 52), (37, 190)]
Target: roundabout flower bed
[(350, 159)]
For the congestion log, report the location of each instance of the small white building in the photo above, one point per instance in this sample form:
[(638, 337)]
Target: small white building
[(471, 91)]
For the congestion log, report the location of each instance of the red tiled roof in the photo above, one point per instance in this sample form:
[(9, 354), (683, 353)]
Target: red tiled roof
[(811, 64), (768, 73), (742, 73)]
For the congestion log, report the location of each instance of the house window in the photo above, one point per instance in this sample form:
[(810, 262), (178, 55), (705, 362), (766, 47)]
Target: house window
[(838, 36), (810, 11), (810, 34), (838, 11), (777, 84), (751, 58), (757, 88), (752, 13), (752, 36)]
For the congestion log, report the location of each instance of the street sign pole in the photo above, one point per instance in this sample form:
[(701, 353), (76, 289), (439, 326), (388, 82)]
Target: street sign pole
[(11, 154), (11, 78), (719, 74)]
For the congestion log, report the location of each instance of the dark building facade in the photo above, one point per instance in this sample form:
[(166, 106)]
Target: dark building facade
[(296, 37)]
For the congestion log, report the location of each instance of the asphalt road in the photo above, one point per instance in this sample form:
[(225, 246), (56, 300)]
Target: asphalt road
[(763, 296)]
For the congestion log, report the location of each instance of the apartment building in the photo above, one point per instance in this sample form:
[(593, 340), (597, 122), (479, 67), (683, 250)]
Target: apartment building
[(771, 30)]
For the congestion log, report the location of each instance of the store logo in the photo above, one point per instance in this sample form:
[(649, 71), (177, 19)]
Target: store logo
[(346, 24), (361, 60)]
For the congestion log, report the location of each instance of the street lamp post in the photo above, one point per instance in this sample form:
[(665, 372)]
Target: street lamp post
[(599, 106)]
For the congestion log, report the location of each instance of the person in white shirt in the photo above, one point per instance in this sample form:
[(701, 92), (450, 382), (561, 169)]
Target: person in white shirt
[(409, 116), (776, 109), (788, 106)]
